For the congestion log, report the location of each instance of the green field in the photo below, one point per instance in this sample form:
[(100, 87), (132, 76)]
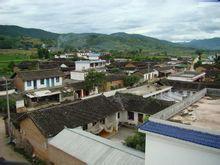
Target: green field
[(14, 55)]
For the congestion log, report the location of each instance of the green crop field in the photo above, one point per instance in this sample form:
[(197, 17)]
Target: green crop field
[(14, 55)]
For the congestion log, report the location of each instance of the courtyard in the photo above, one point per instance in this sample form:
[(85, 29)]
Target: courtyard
[(122, 134)]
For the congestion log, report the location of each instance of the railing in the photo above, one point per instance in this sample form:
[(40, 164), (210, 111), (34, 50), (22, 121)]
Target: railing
[(174, 109)]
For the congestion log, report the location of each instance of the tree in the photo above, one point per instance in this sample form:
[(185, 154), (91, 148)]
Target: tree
[(94, 79), (131, 80), (3, 105), (43, 53), (136, 141), (217, 59), (11, 65)]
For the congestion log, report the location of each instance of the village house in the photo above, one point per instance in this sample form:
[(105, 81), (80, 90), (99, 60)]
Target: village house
[(130, 66), (189, 76), (186, 132), (32, 130), (113, 81), (78, 88), (37, 79), (65, 56), (147, 74), (164, 71), (39, 86), (78, 75), (83, 54), (75, 146), (98, 65), (136, 108)]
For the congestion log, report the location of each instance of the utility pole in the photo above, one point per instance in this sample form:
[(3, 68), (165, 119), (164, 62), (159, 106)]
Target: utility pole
[(148, 70), (8, 109)]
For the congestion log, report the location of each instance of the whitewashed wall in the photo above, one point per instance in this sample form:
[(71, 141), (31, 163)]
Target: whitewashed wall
[(161, 150), (79, 66), (39, 85), (77, 75), (124, 118)]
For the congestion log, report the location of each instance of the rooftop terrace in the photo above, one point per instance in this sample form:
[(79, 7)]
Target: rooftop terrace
[(147, 90), (204, 113)]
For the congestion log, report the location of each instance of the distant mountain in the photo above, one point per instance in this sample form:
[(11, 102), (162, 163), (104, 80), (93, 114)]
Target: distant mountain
[(18, 37), (116, 41), (211, 44), (16, 31)]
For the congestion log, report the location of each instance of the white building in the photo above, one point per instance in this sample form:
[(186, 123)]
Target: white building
[(78, 75), (38, 79), (136, 108), (88, 55), (185, 133), (148, 90), (99, 65), (66, 55), (189, 76), (147, 75), (40, 85)]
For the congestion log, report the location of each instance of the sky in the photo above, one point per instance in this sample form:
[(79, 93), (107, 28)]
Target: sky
[(173, 20)]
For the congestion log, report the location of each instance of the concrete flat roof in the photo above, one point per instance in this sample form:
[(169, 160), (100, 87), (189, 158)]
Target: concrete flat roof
[(187, 74), (146, 90), (205, 113)]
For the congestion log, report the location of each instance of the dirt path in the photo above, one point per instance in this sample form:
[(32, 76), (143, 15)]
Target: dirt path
[(5, 150)]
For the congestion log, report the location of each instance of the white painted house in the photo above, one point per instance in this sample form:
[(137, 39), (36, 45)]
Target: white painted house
[(99, 65), (136, 108), (147, 75), (40, 85), (185, 133), (38, 79), (189, 76), (78, 75), (66, 55)]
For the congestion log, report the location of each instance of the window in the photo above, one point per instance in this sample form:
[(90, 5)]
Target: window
[(85, 127), (93, 124), (42, 81), (29, 83), (57, 79), (102, 121), (130, 115), (118, 115)]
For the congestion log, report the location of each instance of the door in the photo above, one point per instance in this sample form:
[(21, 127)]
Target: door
[(48, 82), (52, 82), (35, 84), (140, 118)]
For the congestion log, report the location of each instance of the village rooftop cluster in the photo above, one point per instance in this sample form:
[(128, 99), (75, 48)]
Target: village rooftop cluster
[(59, 119)]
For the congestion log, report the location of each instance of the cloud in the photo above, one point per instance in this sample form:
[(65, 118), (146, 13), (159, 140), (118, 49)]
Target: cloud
[(173, 20)]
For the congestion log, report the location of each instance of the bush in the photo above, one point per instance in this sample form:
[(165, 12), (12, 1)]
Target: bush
[(3, 104), (131, 80), (137, 141)]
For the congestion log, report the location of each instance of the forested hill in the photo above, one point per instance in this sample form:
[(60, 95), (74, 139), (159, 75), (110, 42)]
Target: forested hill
[(18, 37), (211, 44), (16, 31)]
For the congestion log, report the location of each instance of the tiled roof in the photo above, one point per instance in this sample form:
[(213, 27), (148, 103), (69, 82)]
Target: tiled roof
[(193, 136), (115, 77), (135, 103), (52, 120), (39, 74)]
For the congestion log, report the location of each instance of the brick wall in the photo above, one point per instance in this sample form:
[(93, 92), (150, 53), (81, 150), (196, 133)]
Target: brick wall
[(63, 157), (29, 132), (19, 83)]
